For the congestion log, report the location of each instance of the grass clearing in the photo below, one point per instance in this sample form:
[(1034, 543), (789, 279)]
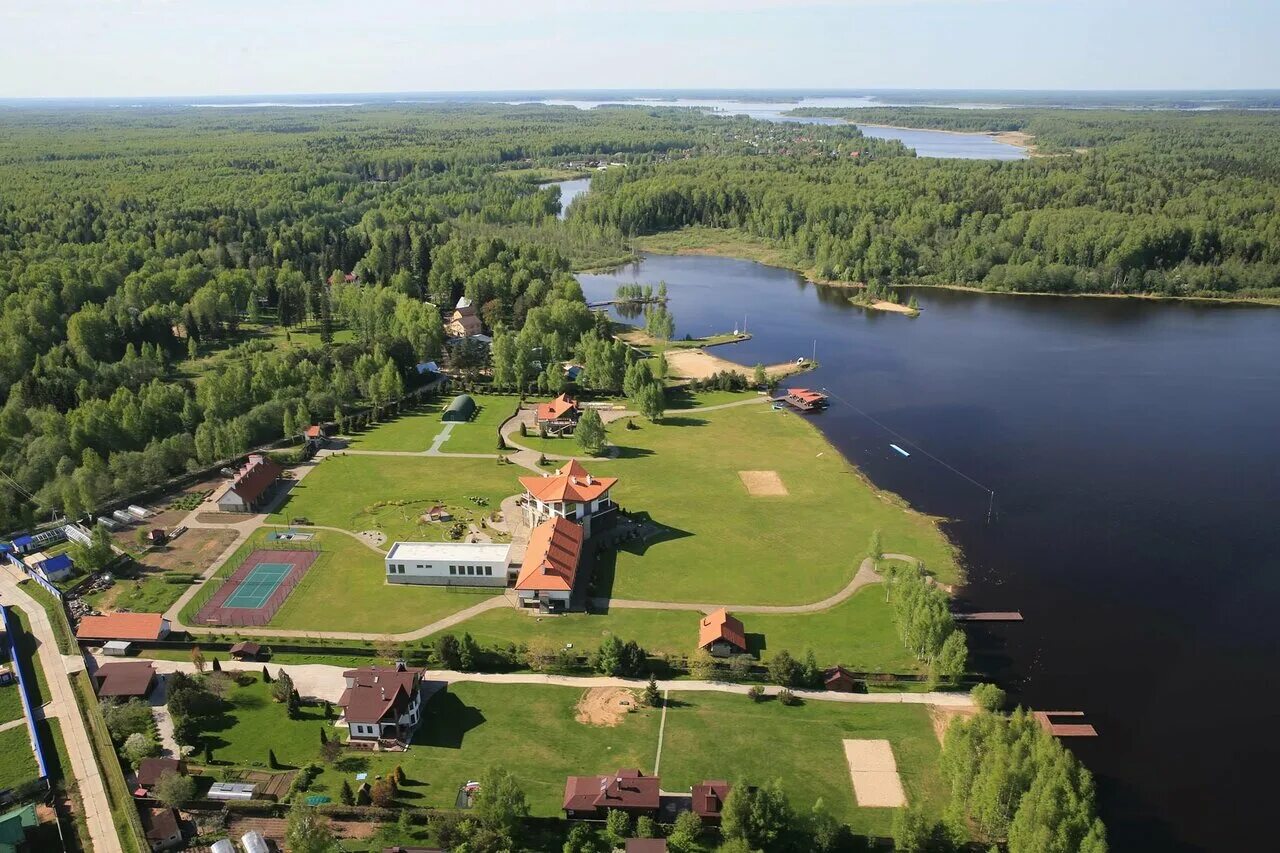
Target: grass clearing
[(480, 434), (683, 473), (719, 736), (253, 724), (28, 645), (19, 765), (390, 493), (10, 702), (411, 431)]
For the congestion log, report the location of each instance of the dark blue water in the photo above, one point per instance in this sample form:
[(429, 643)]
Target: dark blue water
[(1132, 448)]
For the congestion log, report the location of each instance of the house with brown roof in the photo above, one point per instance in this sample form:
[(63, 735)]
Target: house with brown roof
[(550, 565), (150, 771), (841, 680), (721, 634), (464, 321), (571, 493), (708, 800), (252, 485), (124, 679), (805, 399), (559, 416), (381, 702), (245, 650), (132, 627), (593, 797), (161, 827)]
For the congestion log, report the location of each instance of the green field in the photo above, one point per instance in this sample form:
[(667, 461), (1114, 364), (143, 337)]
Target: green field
[(480, 434), (19, 765), (10, 702), (721, 736), (147, 593), (390, 493), (725, 546), (859, 633), (254, 723), (411, 431)]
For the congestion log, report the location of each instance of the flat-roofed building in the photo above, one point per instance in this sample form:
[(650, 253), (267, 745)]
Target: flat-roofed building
[(448, 563)]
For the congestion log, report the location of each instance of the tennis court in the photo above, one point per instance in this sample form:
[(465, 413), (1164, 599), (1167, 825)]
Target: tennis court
[(257, 587)]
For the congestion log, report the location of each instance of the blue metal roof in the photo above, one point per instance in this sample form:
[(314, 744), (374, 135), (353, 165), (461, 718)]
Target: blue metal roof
[(22, 541), (60, 563)]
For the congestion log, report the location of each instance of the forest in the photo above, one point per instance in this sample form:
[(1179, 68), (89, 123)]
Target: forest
[(180, 285)]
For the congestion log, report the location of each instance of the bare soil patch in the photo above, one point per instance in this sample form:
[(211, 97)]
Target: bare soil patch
[(193, 551), (874, 772), (376, 538), (943, 715), (763, 483), (605, 706)]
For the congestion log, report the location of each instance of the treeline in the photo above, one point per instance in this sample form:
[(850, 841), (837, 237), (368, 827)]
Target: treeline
[(1165, 203)]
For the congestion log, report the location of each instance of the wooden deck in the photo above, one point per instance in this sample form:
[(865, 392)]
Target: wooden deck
[(989, 616), (1045, 719)]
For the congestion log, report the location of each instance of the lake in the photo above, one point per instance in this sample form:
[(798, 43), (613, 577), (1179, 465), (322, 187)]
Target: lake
[(927, 143), (1132, 449), (569, 190)]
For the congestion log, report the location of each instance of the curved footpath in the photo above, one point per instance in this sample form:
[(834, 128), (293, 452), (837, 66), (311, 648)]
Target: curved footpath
[(325, 682)]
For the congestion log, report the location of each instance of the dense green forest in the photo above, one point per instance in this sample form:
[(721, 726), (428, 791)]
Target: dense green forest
[(180, 285), (1177, 204)]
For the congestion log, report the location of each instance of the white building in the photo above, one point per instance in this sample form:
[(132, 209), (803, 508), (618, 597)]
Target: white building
[(448, 563), (571, 493)]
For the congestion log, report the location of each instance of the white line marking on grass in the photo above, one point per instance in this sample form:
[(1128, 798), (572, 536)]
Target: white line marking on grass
[(662, 728)]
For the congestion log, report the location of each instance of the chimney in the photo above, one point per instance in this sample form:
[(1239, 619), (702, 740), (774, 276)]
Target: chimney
[(400, 665), (384, 692)]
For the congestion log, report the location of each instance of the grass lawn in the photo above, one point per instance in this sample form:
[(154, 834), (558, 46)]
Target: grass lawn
[(719, 736), (389, 493), (672, 631), (564, 446), (723, 543), (480, 434), (10, 702), (722, 242), (27, 644), (19, 765), (678, 397), (146, 593), (411, 431), (529, 729), (254, 723)]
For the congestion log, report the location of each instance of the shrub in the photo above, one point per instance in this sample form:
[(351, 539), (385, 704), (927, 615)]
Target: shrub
[(786, 697), (988, 697), (756, 692)]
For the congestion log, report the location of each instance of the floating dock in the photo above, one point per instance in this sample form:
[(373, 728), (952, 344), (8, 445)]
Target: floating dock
[(989, 616), (900, 450), (1045, 719)]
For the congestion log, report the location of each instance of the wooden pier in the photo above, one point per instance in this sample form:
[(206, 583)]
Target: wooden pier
[(989, 616), (1045, 719)]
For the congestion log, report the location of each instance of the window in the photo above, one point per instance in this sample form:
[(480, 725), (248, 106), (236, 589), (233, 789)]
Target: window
[(453, 570), (488, 570), (471, 570)]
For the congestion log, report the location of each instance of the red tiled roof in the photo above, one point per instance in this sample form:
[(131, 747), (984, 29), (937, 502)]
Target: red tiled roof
[(551, 558), (805, 395), (315, 431), (721, 626), (570, 483), (838, 674), (122, 626), (257, 475), (626, 789), (557, 408), (709, 797), (124, 678), (376, 691)]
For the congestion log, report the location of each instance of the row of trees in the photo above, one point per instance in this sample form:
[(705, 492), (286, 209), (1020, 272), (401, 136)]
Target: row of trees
[(922, 611)]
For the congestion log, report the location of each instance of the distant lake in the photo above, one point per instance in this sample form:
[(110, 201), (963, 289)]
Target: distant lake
[(569, 190), (927, 143), (1132, 448)]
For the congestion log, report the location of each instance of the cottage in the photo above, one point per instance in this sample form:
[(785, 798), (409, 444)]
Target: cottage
[(708, 800), (124, 679), (593, 797), (572, 493), (161, 827), (315, 437), (157, 536), (55, 568), (722, 634), (559, 416), (123, 626), (381, 702), (245, 650), (251, 486), (550, 565), (841, 680), (461, 409), (805, 399), (151, 770), (464, 322)]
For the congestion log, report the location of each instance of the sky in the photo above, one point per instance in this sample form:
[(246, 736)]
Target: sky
[(124, 48)]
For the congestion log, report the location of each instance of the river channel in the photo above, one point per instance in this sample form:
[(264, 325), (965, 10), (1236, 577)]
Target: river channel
[(1131, 446)]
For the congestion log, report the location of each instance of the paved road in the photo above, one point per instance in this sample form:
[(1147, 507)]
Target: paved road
[(62, 706), (324, 681)]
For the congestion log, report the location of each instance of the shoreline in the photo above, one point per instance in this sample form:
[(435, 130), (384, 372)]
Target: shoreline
[(1266, 302), (1016, 138)]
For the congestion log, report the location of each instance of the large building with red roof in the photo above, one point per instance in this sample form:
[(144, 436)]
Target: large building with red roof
[(251, 486), (550, 566), (570, 493), (123, 626), (559, 416), (381, 702), (593, 797)]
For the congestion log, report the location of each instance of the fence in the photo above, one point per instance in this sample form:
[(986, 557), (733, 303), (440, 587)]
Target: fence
[(36, 576), (12, 629), (211, 586)]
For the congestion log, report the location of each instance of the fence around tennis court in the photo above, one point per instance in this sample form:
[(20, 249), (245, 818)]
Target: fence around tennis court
[(194, 610)]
